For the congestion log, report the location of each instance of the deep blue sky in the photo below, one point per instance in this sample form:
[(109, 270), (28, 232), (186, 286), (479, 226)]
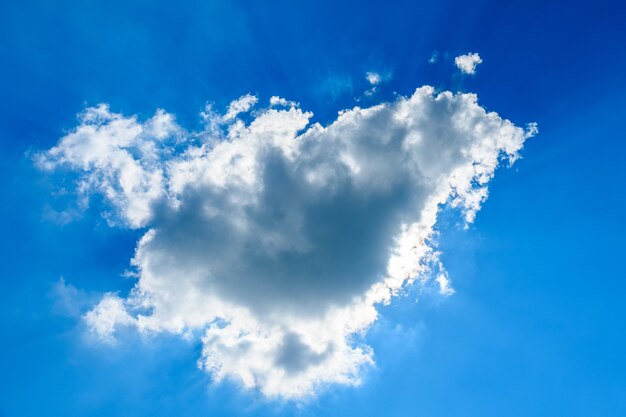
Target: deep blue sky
[(537, 326)]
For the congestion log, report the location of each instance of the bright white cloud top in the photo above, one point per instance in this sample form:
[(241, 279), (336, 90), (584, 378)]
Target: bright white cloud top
[(277, 239), (467, 63)]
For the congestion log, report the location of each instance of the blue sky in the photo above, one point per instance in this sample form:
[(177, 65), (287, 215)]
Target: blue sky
[(537, 324)]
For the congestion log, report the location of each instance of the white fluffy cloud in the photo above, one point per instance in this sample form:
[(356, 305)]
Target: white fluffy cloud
[(279, 101), (467, 63), (277, 239)]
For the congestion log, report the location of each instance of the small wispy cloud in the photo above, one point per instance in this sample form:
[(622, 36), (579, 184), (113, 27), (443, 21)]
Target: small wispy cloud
[(467, 63), (241, 105), (373, 78), (279, 101), (69, 301)]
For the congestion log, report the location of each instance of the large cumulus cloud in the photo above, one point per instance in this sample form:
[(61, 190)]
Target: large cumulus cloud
[(275, 238)]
